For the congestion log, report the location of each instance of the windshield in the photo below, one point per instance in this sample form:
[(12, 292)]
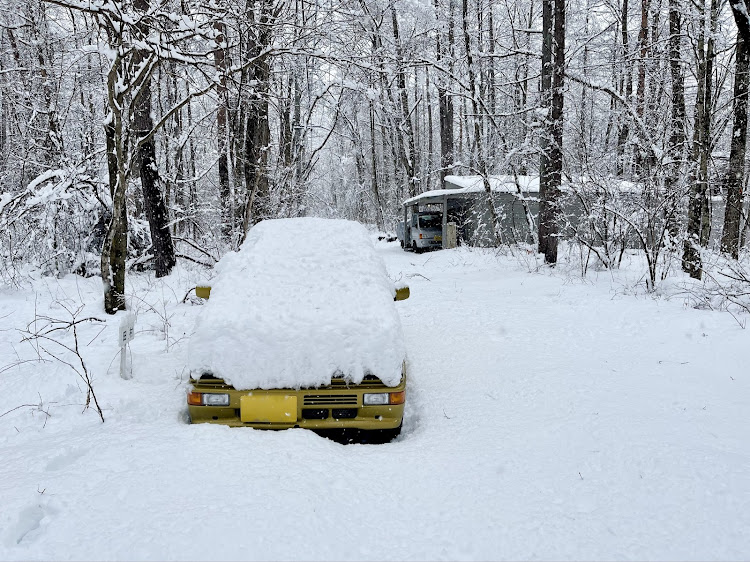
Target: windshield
[(434, 220)]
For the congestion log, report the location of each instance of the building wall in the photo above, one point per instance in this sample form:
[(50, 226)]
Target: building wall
[(471, 213)]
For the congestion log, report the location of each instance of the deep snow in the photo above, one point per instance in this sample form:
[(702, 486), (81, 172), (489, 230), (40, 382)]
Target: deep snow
[(547, 417)]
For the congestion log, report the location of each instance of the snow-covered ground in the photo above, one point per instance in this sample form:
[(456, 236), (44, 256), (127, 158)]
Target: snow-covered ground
[(547, 417)]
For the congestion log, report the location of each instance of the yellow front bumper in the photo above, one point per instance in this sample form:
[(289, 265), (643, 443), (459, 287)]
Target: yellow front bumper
[(321, 408)]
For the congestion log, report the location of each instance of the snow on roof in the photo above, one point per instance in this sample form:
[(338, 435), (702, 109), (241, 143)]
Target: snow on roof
[(302, 300), (510, 184), (474, 184), (503, 184)]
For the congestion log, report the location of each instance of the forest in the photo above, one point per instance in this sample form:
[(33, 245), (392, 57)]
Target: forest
[(137, 133), (570, 384)]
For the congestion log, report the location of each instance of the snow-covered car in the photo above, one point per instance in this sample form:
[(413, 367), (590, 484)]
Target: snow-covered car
[(301, 330)]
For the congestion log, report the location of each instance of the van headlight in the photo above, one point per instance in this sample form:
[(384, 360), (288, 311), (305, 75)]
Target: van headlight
[(379, 399), (384, 398)]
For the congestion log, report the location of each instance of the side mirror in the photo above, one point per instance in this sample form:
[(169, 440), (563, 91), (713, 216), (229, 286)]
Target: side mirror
[(203, 291), (402, 293)]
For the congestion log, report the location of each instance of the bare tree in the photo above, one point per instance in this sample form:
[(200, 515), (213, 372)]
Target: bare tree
[(698, 220), (550, 174), (730, 236), (143, 124)]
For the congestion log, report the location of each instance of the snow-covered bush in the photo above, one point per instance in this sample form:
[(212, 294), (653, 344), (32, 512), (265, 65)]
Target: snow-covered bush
[(595, 218), (56, 225), (52, 225), (616, 215), (726, 283)]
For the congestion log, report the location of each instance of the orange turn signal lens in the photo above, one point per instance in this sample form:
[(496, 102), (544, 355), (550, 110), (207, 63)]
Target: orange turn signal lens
[(398, 397), (195, 399)]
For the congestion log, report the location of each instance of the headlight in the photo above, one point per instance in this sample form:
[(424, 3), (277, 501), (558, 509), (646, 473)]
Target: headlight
[(210, 399), (379, 399)]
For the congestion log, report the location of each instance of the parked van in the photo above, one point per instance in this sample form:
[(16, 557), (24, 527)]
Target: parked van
[(424, 231)]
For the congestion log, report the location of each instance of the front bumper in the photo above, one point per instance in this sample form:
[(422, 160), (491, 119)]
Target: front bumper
[(429, 242), (331, 407)]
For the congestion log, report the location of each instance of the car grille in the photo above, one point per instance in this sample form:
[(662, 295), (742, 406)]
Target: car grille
[(329, 399), (212, 382), (370, 381)]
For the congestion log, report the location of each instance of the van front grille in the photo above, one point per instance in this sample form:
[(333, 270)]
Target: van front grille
[(330, 399), (207, 381), (370, 381)]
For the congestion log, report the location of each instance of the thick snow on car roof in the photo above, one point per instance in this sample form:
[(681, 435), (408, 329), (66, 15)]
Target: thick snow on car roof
[(303, 300)]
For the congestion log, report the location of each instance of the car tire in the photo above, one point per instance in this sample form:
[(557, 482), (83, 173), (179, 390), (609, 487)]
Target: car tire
[(387, 435), (417, 249)]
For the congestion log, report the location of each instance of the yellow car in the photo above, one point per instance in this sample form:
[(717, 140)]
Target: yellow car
[(301, 330)]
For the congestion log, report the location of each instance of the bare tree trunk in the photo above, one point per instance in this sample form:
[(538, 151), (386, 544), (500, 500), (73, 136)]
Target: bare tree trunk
[(551, 166), (405, 125), (523, 82), (220, 60), (257, 135), (708, 109), (730, 236), (477, 120), (115, 248), (641, 161), (429, 161), (445, 101), (257, 129), (374, 161), (53, 142), (156, 210), (699, 223), (445, 107), (626, 90)]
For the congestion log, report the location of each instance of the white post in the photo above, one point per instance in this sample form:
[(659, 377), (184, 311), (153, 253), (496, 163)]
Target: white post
[(445, 223), (127, 332)]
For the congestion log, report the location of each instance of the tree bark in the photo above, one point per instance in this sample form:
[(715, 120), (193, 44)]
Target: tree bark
[(220, 60), (477, 120), (374, 179), (642, 160), (698, 221), (730, 236), (445, 104), (115, 246), (404, 124), (550, 179), (626, 91), (257, 131), (156, 210)]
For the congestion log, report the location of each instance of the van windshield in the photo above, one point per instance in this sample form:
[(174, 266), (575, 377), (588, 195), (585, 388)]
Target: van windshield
[(434, 220)]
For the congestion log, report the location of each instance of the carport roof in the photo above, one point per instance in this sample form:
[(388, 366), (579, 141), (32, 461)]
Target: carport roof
[(466, 185), (474, 184)]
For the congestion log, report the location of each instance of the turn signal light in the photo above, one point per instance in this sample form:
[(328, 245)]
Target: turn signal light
[(195, 399), (398, 397)]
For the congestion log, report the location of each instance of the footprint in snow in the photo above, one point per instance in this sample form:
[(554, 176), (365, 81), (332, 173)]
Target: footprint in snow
[(27, 527), (65, 460)]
